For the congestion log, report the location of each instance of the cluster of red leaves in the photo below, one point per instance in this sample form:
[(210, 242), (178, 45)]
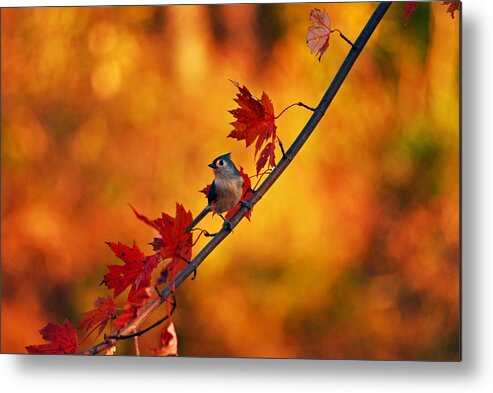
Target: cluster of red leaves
[(255, 123), (411, 6), (255, 120), (318, 34), (173, 244)]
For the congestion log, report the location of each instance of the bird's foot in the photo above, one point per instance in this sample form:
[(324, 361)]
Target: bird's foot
[(246, 204), (228, 225)]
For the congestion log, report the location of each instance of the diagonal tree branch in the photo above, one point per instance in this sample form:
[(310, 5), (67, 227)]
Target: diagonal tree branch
[(317, 115)]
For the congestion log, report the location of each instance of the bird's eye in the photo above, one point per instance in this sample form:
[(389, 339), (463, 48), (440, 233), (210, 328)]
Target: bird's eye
[(220, 162)]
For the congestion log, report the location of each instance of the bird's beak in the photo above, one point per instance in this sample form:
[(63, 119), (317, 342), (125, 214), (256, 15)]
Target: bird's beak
[(213, 166)]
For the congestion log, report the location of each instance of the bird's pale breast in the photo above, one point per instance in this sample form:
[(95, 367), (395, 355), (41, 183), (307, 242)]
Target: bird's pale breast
[(228, 193)]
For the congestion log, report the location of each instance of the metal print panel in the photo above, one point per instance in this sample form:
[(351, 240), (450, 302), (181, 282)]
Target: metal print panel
[(269, 181)]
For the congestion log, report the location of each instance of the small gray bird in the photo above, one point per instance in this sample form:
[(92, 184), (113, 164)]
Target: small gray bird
[(225, 191)]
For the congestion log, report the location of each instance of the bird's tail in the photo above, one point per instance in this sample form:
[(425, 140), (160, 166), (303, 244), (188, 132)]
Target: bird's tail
[(199, 218)]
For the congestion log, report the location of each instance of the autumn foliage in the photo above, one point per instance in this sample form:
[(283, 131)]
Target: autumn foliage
[(255, 123), (138, 272)]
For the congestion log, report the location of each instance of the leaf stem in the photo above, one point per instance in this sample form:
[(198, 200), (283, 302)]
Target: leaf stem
[(281, 146), (88, 334), (259, 174), (343, 36), (260, 178), (295, 104)]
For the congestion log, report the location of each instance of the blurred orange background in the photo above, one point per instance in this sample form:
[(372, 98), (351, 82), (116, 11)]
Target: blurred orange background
[(354, 253)]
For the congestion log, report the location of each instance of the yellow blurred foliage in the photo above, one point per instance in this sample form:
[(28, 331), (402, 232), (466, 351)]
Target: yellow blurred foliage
[(354, 253)]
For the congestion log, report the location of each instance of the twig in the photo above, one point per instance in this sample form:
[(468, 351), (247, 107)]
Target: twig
[(343, 37), (88, 334), (257, 175), (327, 98), (260, 178), (141, 332), (295, 104)]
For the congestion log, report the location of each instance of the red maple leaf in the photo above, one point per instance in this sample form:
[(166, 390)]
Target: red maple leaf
[(63, 339), (246, 193), (409, 8), (136, 271), (267, 155), (318, 34), (452, 7), (175, 242), (135, 302), (169, 342), (105, 310), (254, 118), (206, 189)]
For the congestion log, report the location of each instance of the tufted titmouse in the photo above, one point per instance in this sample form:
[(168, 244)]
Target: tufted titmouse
[(225, 191)]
